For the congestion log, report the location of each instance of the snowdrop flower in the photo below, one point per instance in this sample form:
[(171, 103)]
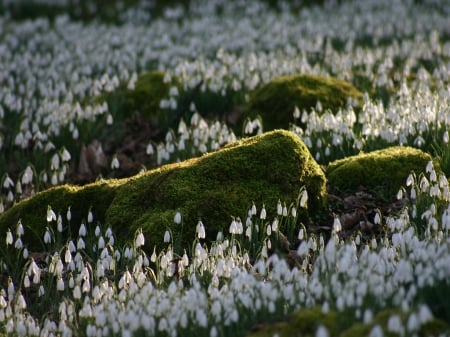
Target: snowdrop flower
[(200, 230), (412, 323), (424, 314), (337, 227), (18, 244), (400, 194), (59, 226), (445, 137), (60, 284), (294, 212), (322, 331), (82, 231), (65, 155), (97, 231), (395, 325), (263, 214), (115, 163), (166, 236), (90, 217), (69, 214), (9, 238), (51, 216), (279, 208), (80, 244), (140, 240), (150, 149), (47, 236), (27, 176), (177, 218), (376, 331), (303, 249), (8, 182)]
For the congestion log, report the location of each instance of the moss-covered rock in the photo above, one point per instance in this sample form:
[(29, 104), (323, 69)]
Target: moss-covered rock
[(275, 102), (382, 172), (146, 96), (305, 323), (212, 188)]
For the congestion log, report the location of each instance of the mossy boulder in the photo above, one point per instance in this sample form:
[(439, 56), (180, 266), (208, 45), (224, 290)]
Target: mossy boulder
[(214, 187), (141, 102), (306, 322), (383, 172), (275, 102), (150, 88)]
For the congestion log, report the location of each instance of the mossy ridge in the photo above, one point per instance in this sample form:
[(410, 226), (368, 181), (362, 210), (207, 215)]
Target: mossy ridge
[(383, 172), (216, 186), (275, 102), (261, 169)]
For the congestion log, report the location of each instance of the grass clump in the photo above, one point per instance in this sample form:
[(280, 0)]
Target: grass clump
[(211, 188), (276, 101), (382, 172)]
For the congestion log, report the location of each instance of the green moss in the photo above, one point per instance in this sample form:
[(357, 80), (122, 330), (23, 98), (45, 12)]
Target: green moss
[(343, 324), (212, 188), (275, 102), (149, 89), (382, 171), (33, 211), (305, 323), (219, 185)]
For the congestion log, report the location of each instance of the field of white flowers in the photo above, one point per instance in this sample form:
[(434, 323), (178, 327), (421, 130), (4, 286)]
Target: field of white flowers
[(51, 71)]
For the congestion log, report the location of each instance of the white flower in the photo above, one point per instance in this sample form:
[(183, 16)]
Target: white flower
[(410, 180), (293, 211), (8, 182), (18, 244), (82, 231), (59, 225), (445, 137), (69, 214), (322, 331), (304, 198), (9, 238), (26, 281), (337, 227), (27, 176), (303, 249), (177, 218), (376, 331), (115, 163), (60, 284), (200, 230), (253, 209), (395, 324), (90, 217), (296, 113), (65, 155), (279, 208), (140, 240), (167, 237), (51, 216), (263, 214), (425, 314), (47, 236)]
